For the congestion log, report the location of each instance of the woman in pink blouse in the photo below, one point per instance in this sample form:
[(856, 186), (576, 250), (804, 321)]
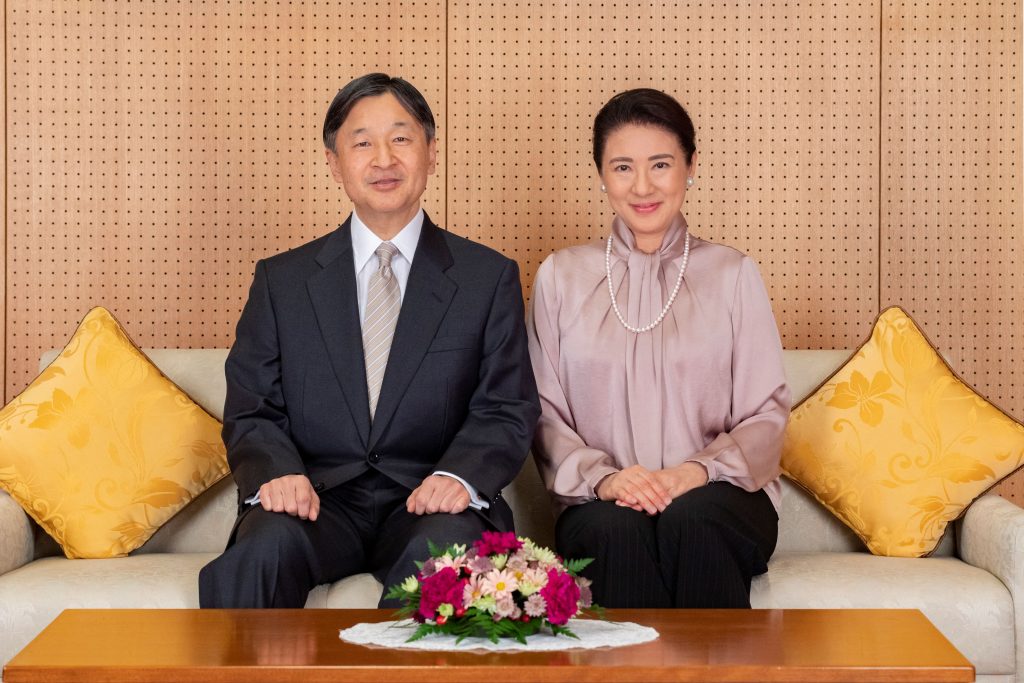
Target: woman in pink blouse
[(660, 373)]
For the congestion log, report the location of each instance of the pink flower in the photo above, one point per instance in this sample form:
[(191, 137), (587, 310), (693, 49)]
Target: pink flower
[(497, 543), (438, 588), (586, 597), (455, 563), (506, 607), (480, 564), (516, 564), (561, 594), (534, 606), (428, 568), (499, 583), (473, 591)]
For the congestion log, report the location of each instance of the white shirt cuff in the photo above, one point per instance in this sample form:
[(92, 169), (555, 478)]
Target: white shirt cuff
[(475, 501)]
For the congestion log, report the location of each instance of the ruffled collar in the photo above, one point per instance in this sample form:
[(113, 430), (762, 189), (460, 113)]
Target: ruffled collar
[(624, 243)]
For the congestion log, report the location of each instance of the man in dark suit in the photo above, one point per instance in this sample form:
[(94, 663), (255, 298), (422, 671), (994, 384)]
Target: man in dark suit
[(379, 388)]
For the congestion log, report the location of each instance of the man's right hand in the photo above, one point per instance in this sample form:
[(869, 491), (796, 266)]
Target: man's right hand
[(292, 493)]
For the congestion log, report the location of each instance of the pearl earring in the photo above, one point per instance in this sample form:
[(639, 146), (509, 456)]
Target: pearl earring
[(689, 181), (603, 188)]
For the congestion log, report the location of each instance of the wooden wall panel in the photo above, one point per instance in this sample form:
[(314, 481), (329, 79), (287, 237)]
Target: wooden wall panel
[(864, 154), (952, 232), (158, 149), (785, 100)]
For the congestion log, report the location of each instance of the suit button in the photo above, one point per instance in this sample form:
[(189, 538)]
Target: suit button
[(374, 458)]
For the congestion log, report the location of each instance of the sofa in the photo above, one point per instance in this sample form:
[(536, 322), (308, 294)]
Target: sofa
[(971, 588)]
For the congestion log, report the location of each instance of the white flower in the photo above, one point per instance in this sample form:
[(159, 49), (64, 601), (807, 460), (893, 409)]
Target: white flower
[(411, 585)]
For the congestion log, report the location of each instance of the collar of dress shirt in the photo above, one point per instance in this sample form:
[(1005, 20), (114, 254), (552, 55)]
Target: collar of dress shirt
[(365, 242)]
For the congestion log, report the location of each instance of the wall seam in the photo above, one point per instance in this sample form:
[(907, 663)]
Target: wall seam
[(881, 98)]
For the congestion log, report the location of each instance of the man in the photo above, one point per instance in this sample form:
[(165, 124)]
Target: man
[(379, 388)]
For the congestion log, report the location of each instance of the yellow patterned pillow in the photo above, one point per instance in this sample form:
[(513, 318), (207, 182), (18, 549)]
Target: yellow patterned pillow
[(896, 445), (101, 449)]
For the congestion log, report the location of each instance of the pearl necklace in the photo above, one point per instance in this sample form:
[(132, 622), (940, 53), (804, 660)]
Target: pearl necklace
[(664, 311)]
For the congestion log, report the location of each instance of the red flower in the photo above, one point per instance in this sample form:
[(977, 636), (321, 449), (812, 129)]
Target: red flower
[(439, 588), (561, 594), (497, 543)]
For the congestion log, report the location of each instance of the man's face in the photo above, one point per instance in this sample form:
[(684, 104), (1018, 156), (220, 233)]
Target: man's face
[(382, 159)]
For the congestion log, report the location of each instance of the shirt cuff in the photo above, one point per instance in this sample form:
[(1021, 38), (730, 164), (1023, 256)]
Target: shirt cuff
[(475, 501)]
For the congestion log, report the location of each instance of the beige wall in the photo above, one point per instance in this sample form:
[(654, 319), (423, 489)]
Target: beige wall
[(865, 155)]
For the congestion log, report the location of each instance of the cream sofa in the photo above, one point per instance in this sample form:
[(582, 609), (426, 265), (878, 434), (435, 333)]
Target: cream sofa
[(972, 589)]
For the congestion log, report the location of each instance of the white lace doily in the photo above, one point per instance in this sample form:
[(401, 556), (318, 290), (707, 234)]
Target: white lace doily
[(592, 634)]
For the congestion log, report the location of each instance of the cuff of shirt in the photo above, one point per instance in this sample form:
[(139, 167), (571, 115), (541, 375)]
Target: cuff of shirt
[(475, 501), (709, 464)]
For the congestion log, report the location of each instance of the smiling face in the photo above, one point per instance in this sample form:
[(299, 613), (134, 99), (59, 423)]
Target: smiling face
[(644, 171), (382, 158)]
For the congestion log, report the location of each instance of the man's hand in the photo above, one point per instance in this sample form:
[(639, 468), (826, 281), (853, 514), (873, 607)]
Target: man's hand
[(635, 487), (438, 494), (682, 478), (292, 493)]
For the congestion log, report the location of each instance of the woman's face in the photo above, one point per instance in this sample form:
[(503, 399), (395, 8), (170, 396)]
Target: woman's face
[(644, 171)]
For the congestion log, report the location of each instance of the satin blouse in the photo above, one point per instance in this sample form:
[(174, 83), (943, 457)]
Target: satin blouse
[(706, 385)]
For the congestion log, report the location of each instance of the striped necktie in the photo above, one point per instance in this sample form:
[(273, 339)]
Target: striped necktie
[(383, 301)]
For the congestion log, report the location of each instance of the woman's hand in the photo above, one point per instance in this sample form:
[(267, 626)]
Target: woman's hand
[(682, 478), (635, 487)]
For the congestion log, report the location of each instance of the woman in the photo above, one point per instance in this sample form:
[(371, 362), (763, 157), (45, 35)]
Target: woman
[(660, 372)]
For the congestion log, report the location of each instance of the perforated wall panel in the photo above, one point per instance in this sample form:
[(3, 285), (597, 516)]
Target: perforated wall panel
[(157, 149), (952, 233), (785, 102), (863, 153)]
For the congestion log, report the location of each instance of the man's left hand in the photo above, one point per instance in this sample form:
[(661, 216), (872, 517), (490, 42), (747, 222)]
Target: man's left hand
[(438, 494)]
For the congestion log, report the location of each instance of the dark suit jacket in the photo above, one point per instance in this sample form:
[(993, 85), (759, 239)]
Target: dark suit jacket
[(458, 394)]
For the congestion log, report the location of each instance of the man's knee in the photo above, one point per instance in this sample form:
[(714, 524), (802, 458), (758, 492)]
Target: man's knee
[(444, 529)]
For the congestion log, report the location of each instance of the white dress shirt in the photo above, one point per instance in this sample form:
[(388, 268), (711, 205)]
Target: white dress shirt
[(364, 246)]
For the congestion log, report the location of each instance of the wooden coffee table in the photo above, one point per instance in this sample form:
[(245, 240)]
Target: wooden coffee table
[(303, 645)]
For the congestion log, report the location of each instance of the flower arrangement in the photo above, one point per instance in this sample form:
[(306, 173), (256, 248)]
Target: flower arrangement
[(502, 587)]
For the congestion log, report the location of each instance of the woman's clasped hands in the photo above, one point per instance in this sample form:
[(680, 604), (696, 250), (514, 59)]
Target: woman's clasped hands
[(651, 491)]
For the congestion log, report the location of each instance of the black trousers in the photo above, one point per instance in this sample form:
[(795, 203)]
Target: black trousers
[(702, 551), (275, 559)]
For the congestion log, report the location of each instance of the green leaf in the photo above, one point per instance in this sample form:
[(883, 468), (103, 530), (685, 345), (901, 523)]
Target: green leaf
[(423, 631), (574, 567)]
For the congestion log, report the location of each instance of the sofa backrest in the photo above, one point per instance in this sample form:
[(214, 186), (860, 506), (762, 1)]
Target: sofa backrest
[(204, 525)]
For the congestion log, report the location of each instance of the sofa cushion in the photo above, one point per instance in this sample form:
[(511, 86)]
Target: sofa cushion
[(101, 448), (972, 608), (356, 591), (896, 445)]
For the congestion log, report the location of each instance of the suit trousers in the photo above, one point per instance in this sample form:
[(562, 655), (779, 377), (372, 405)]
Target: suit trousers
[(701, 551), (274, 559)]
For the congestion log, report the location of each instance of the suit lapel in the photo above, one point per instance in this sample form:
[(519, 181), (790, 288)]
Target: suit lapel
[(428, 294), (335, 302)]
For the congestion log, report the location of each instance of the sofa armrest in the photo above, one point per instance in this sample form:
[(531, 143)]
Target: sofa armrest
[(992, 538), (16, 543)]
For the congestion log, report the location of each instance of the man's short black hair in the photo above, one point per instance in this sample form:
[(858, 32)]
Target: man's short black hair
[(372, 85)]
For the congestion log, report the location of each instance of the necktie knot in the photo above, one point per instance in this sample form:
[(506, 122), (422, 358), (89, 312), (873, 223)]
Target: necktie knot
[(385, 252)]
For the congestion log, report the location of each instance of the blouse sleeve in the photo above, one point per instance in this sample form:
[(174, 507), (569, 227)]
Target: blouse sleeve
[(571, 470), (748, 454)]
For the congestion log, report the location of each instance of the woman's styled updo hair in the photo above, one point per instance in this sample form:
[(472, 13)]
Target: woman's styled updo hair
[(643, 107)]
